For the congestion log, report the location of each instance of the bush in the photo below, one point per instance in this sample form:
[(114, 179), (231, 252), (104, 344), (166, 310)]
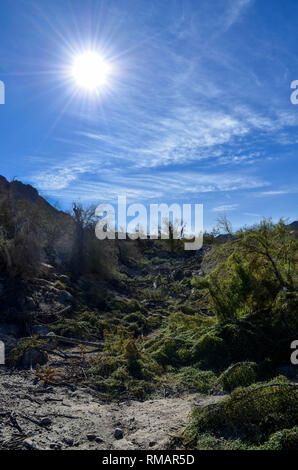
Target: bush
[(124, 367), (72, 328), (287, 439), (238, 375), (251, 414), (258, 263), (230, 342), (195, 380), (136, 322), (25, 345)]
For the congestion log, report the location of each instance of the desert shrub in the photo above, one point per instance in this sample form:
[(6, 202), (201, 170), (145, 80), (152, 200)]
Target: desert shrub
[(25, 345), (72, 328), (193, 379), (210, 349), (287, 439), (172, 351), (257, 264), (158, 294), (210, 442), (174, 344), (136, 322), (124, 367), (133, 306), (251, 414), (125, 306), (21, 237), (231, 342), (284, 313), (238, 375), (25, 254), (197, 339), (235, 289)]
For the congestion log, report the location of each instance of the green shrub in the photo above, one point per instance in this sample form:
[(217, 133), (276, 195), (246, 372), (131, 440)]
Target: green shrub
[(137, 319), (210, 442), (72, 328), (238, 375), (257, 264), (251, 414), (23, 346), (124, 367), (195, 380), (287, 439), (230, 342)]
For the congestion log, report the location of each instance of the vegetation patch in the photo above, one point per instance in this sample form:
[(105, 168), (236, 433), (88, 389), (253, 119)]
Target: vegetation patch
[(238, 375), (124, 368), (250, 414), (25, 345), (192, 379)]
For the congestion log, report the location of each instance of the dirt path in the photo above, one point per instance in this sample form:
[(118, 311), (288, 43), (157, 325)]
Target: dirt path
[(74, 418)]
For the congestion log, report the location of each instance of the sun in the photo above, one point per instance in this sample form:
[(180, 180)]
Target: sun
[(90, 71)]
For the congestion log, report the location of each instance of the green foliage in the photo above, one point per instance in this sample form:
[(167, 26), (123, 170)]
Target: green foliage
[(72, 328), (193, 379), (124, 367), (231, 342), (136, 322), (236, 289), (174, 344), (207, 441), (23, 346), (251, 414), (287, 439), (238, 375), (84, 325), (284, 313), (258, 262)]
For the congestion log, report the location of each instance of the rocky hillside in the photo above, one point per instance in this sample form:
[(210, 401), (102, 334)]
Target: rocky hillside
[(126, 329)]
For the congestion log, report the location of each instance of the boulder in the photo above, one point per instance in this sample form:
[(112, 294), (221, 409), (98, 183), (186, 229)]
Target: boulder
[(118, 433), (32, 358)]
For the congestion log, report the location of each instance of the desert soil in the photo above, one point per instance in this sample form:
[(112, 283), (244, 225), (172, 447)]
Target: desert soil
[(33, 416)]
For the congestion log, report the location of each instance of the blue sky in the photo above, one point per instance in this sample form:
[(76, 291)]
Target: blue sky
[(197, 108)]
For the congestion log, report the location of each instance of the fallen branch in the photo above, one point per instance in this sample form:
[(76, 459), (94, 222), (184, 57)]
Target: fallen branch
[(64, 339), (15, 423)]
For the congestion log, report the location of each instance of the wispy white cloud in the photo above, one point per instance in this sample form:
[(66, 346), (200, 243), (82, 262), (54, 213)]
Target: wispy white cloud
[(91, 182), (235, 9), (225, 208), (252, 214), (277, 192)]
